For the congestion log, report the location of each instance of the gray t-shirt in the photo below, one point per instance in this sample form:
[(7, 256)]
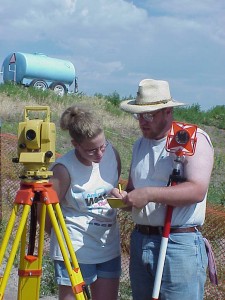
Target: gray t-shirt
[(152, 165)]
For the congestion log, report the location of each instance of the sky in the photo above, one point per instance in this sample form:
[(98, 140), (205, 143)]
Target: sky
[(114, 44)]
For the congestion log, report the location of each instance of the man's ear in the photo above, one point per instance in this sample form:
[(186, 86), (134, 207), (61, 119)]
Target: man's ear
[(169, 110)]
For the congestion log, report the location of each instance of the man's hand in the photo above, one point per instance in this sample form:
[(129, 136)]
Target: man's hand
[(137, 198)]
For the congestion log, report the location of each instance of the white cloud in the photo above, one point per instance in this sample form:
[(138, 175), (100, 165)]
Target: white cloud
[(116, 43)]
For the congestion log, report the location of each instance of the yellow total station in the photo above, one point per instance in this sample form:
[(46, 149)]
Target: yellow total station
[(36, 142)]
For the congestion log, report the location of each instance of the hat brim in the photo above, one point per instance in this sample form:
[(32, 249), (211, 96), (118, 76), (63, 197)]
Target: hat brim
[(130, 106)]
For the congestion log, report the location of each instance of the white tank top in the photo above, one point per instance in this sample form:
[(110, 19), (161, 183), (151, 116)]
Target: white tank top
[(90, 220)]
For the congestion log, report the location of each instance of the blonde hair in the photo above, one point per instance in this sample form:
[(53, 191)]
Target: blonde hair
[(81, 124)]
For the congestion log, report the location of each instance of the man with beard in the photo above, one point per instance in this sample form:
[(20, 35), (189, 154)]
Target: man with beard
[(148, 195)]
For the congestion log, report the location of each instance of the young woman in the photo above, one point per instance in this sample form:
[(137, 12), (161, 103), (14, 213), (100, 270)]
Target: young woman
[(82, 179)]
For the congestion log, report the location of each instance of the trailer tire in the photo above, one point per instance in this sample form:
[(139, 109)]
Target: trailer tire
[(58, 88), (39, 84)]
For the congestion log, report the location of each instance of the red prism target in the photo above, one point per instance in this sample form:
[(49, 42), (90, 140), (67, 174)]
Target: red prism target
[(181, 139)]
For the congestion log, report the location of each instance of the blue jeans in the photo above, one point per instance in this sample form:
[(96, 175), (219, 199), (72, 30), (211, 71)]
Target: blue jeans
[(184, 272)]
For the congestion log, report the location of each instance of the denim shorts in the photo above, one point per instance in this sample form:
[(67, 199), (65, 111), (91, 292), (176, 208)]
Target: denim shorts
[(184, 271), (90, 272)]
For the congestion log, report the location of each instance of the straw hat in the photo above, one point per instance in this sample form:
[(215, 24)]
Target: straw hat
[(152, 95)]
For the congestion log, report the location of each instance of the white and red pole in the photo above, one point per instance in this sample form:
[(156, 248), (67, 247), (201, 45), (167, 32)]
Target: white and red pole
[(181, 140), (162, 252)]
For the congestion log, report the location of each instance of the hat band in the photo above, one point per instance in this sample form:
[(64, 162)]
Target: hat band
[(154, 103)]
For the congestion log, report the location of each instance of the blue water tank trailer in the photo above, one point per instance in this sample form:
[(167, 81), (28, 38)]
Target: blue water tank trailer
[(40, 71)]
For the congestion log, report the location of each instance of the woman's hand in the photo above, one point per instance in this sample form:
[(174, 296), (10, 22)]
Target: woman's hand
[(115, 192)]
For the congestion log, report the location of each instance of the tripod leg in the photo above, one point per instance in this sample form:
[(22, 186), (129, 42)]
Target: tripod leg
[(67, 238), (31, 265), (8, 231), (14, 249), (75, 275)]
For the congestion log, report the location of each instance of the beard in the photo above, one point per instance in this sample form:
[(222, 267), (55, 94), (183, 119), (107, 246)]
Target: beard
[(155, 131)]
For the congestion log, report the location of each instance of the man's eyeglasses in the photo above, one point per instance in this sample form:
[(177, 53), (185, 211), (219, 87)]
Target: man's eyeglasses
[(95, 150), (149, 117)]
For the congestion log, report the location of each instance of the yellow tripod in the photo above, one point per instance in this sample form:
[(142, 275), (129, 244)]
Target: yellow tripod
[(29, 196), (36, 150)]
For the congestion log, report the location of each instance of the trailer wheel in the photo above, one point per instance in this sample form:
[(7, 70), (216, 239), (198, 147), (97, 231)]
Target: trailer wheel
[(39, 84), (58, 88)]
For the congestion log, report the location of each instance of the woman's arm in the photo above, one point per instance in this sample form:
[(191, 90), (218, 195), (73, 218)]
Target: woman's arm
[(118, 161)]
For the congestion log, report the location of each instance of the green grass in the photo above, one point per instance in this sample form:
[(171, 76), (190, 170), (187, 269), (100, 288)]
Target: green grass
[(125, 291), (48, 285), (193, 114), (216, 192)]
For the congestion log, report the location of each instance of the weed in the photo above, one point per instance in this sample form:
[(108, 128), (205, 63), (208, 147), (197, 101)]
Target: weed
[(48, 285)]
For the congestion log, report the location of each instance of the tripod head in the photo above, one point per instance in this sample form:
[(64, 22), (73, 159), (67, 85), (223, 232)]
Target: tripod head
[(36, 143)]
